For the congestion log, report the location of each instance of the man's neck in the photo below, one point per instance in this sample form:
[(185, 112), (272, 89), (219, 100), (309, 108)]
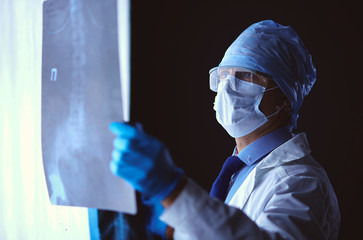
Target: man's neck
[(244, 141)]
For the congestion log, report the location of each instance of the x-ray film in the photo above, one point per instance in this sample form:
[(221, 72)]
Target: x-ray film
[(81, 96)]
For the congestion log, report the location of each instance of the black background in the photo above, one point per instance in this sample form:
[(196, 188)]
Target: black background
[(175, 43)]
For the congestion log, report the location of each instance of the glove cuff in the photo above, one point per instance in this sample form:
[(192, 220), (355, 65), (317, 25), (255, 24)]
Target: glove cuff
[(172, 185)]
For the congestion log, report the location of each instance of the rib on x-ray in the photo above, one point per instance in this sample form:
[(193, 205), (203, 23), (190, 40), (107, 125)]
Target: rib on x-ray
[(81, 96)]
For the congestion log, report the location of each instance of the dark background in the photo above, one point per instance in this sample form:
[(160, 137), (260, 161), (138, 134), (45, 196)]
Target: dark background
[(175, 43)]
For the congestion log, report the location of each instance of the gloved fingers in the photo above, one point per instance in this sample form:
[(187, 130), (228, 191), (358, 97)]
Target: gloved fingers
[(132, 145), (146, 146), (119, 168), (143, 161), (126, 157), (114, 167), (124, 130), (127, 132), (116, 155), (121, 143)]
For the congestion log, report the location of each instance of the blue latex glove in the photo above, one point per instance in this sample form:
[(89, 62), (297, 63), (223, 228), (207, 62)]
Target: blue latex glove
[(144, 162), (153, 223)]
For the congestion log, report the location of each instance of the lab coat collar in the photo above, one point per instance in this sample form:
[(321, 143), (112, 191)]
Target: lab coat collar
[(294, 149)]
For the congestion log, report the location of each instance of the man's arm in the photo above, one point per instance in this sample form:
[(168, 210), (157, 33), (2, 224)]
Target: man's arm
[(292, 208), (195, 215), (170, 200), (145, 163)]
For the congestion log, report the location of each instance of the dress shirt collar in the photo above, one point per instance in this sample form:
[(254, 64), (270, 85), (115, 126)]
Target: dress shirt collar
[(264, 145)]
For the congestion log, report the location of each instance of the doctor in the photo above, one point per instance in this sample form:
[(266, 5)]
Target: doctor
[(271, 187)]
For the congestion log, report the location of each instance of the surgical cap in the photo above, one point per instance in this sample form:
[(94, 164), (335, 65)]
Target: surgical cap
[(276, 50)]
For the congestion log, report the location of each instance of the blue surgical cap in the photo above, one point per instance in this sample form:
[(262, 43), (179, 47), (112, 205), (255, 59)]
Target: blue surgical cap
[(276, 50)]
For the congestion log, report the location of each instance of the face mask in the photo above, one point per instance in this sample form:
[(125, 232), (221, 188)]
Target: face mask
[(236, 106)]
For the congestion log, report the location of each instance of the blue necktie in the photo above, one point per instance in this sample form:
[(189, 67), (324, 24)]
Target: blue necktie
[(220, 185)]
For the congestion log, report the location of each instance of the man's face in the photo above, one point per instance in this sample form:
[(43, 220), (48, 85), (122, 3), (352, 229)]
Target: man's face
[(273, 98)]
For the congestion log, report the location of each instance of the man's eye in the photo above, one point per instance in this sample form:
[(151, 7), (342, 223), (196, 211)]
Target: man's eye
[(247, 76)]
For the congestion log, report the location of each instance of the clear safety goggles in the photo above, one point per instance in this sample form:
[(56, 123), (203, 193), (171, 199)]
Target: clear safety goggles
[(220, 74)]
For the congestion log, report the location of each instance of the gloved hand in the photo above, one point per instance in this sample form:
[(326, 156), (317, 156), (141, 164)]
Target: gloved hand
[(144, 162), (153, 212)]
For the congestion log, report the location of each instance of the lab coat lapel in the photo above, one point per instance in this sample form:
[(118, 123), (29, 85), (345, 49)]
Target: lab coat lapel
[(295, 148), (240, 197)]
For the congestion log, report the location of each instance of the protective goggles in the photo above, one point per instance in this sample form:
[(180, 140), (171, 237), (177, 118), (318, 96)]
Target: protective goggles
[(220, 74)]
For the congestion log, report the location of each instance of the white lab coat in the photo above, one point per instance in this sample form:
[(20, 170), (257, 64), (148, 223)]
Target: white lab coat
[(287, 196)]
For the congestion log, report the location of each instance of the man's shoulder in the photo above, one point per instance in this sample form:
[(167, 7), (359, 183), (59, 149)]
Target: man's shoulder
[(294, 149), (292, 159), (305, 167)]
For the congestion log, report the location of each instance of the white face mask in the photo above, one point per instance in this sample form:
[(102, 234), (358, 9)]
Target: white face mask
[(236, 106)]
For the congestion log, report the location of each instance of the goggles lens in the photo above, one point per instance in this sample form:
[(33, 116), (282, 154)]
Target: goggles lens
[(220, 74)]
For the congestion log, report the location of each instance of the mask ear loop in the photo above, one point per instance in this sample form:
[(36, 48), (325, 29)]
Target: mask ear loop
[(285, 107), (278, 109), (270, 89)]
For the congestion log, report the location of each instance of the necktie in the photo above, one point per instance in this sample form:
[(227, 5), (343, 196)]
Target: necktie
[(220, 185)]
